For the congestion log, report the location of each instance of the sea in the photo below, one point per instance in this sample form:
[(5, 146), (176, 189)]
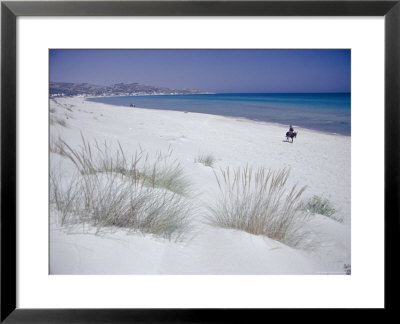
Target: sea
[(326, 112)]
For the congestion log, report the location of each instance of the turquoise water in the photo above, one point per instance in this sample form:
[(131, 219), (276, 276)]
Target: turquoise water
[(325, 112)]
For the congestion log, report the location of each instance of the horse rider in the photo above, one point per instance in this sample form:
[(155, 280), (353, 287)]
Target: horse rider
[(291, 130)]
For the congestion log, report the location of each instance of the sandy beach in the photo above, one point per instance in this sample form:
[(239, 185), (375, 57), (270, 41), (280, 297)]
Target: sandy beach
[(319, 161)]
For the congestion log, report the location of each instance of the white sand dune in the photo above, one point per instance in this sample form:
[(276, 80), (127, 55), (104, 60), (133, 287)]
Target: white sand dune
[(317, 160)]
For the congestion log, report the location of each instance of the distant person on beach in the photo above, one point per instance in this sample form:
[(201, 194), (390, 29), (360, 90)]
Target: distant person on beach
[(291, 130), (290, 134)]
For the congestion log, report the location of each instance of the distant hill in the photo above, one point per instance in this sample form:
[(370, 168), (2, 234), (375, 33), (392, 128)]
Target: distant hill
[(65, 89)]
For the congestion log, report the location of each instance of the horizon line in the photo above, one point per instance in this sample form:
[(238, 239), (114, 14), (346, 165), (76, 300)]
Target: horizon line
[(214, 92)]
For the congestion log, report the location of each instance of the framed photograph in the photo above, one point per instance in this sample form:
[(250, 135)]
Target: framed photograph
[(175, 160)]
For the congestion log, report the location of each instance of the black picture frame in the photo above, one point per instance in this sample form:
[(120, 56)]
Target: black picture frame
[(10, 10)]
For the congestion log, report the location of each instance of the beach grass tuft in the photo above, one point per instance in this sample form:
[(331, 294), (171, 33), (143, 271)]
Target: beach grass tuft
[(206, 159), (59, 121), (322, 206), (260, 202), (111, 190)]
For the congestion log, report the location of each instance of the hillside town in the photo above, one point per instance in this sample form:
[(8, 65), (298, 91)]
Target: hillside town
[(66, 89)]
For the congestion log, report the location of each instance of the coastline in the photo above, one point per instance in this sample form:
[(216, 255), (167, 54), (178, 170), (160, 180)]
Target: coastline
[(297, 127)]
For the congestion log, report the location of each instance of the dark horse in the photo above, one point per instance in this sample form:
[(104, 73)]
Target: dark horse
[(290, 135)]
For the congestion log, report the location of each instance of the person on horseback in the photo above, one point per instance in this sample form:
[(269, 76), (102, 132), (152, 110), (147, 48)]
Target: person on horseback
[(291, 130), (291, 133)]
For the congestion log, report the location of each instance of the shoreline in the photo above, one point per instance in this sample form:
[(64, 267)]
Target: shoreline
[(318, 131)]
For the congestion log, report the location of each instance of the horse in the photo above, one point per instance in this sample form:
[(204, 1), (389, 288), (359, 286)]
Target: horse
[(291, 135)]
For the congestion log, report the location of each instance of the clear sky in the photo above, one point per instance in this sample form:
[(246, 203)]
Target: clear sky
[(209, 70)]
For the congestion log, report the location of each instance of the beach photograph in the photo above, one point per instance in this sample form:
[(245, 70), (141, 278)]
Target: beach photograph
[(199, 161)]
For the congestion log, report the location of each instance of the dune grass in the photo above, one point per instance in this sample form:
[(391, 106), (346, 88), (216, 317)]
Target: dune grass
[(206, 159), (110, 189), (164, 172), (322, 206), (59, 121), (260, 202)]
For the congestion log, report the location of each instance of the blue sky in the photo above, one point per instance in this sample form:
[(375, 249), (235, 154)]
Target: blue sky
[(243, 71)]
